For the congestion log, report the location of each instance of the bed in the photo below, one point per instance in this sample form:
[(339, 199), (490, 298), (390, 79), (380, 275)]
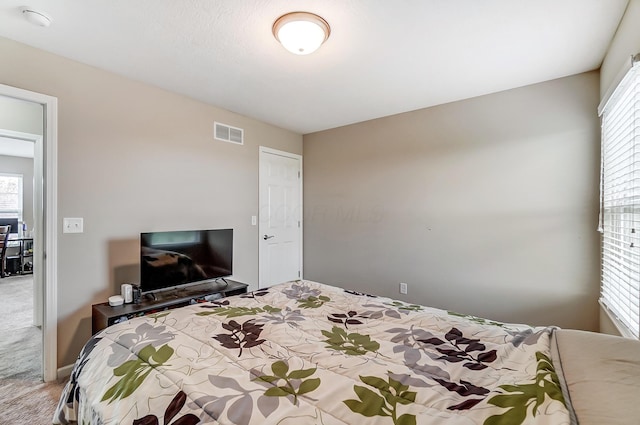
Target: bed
[(307, 353)]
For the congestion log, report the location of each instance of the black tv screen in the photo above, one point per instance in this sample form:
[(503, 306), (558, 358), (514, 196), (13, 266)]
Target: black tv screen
[(13, 222), (171, 259)]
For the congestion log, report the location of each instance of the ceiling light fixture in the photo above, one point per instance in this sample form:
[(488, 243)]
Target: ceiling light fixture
[(301, 33), (36, 18)]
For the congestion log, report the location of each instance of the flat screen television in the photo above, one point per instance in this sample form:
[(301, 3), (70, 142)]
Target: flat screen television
[(179, 258)]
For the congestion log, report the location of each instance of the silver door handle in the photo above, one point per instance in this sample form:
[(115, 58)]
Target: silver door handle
[(266, 237)]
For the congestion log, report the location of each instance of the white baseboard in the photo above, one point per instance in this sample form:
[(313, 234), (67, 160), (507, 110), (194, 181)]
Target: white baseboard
[(65, 371)]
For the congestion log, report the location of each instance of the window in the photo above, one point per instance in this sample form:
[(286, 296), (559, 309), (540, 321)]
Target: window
[(620, 202), (11, 196)]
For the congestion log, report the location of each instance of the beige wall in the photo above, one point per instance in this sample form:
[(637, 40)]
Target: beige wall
[(625, 44), (134, 158), (486, 206), (24, 166)]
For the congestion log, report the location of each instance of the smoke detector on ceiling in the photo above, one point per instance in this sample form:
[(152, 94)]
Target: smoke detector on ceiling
[(36, 17)]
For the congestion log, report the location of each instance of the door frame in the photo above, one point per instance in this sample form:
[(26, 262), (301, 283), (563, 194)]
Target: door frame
[(45, 224), (261, 215)]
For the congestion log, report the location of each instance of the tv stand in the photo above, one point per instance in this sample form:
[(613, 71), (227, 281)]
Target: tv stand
[(104, 315)]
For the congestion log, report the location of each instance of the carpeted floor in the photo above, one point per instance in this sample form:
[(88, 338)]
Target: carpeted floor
[(20, 341), (20, 354), (16, 302), (24, 398), (28, 402)]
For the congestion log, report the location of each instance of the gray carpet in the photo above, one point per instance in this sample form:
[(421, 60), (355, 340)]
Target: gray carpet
[(20, 341), (24, 399), (20, 352), (28, 402), (16, 302)]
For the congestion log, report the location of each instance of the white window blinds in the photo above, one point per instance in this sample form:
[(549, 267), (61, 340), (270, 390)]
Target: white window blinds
[(11, 196), (620, 203)]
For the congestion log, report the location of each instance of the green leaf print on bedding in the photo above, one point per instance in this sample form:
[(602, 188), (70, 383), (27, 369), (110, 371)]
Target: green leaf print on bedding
[(475, 319), (353, 344), (157, 316), (313, 302), (295, 383), (230, 312), (134, 372), (518, 398), (391, 394), (405, 307)]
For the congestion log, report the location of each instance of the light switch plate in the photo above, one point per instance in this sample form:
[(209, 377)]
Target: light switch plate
[(72, 225)]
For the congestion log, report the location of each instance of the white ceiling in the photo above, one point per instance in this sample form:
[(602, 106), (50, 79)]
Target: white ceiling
[(383, 57)]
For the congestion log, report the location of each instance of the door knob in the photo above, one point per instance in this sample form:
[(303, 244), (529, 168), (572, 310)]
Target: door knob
[(265, 237)]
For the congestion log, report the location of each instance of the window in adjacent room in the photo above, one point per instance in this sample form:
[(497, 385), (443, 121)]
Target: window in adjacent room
[(620, 202), (11, 196)]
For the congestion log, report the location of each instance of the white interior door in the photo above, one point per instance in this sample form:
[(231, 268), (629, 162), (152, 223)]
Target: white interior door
[(280, 217)]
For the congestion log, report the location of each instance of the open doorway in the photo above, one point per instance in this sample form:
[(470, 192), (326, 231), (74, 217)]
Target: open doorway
[(21, 131), (20, 296), (30, 262)]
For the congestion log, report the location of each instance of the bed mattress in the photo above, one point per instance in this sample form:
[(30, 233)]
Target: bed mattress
[(307, 353)]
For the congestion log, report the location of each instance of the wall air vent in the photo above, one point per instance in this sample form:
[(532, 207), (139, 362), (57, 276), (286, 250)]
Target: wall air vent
[(226, 133)]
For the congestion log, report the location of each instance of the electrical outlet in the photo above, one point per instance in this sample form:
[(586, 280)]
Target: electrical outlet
[(404, 288)]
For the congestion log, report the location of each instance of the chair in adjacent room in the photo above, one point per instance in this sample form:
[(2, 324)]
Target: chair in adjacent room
[(4, 238)]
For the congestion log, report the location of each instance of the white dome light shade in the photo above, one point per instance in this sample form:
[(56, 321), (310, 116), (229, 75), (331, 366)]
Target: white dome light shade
[(36, 17), (301, 33)]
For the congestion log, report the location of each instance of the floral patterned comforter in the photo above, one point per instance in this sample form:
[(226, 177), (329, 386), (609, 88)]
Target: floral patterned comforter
[(307, 353)]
